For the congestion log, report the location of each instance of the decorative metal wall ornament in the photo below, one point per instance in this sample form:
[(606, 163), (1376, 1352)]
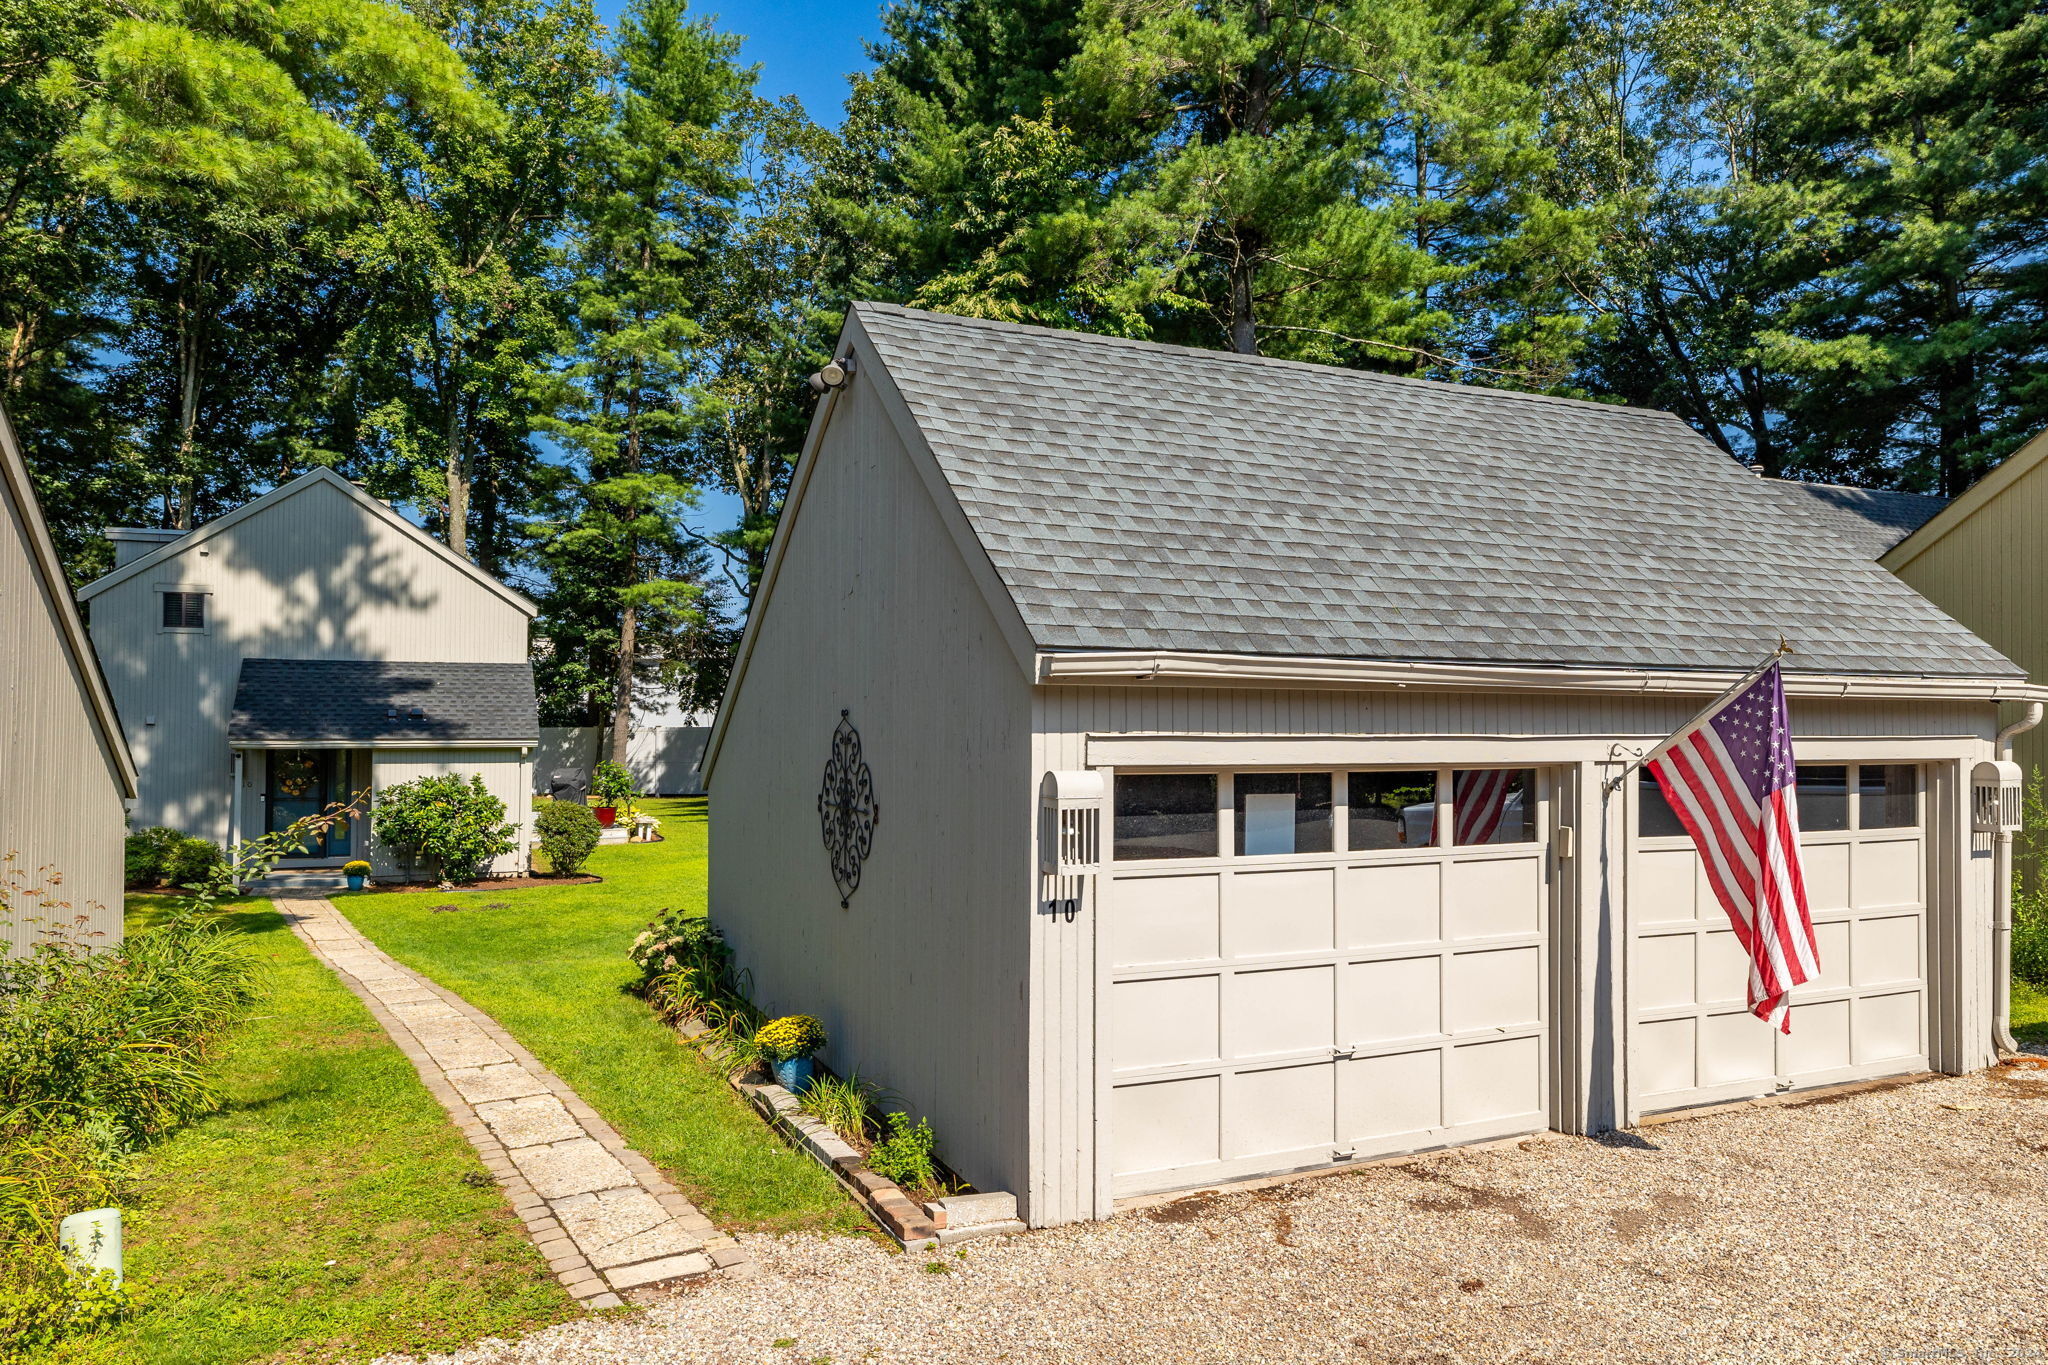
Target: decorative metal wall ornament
[(847, 810)]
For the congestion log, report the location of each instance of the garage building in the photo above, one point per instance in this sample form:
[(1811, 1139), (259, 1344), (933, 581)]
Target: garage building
[(1164, 767)]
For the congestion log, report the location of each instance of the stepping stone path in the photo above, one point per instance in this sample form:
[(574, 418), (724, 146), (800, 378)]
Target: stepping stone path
[(604, 1217)]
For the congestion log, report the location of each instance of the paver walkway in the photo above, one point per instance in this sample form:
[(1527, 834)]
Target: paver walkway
[(600, 1212)]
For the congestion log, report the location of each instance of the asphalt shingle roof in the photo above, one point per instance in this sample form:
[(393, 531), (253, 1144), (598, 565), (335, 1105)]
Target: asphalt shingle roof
[(1139, 496), (373, 701), (1871, 519)]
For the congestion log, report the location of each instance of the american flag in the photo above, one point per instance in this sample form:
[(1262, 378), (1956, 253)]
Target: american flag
[(1730, 777), (1479, 798)]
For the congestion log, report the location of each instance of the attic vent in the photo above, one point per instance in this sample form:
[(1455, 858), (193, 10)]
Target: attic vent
[(1995, 798), (1069, 839)]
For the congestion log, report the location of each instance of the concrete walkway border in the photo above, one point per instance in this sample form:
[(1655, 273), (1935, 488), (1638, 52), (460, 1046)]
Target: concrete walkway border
[(604, 1217)]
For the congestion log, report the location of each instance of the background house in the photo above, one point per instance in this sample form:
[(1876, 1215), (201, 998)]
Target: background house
[(1983, 559), (307, 646), (1343, 665), (65, 772)]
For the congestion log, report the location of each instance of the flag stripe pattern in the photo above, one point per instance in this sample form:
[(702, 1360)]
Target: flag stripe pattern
[(1479, 799), (1731, 779)]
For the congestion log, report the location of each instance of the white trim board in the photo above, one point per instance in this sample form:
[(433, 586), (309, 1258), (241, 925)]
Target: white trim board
[(1175, 668), (1432, 751)]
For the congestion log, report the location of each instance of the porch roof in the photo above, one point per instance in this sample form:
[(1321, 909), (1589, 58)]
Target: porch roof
[(380, 702)]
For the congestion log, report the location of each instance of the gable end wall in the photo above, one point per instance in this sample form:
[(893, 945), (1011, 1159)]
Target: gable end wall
[(920, 981), (61, 813), (313, 577)]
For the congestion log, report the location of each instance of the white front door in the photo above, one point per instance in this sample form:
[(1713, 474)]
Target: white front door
[(1692, 1039), (1310, 968)]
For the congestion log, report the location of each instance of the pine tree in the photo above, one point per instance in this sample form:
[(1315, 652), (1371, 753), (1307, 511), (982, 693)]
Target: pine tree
[(1922, 134), (659, 199), (232, 134)]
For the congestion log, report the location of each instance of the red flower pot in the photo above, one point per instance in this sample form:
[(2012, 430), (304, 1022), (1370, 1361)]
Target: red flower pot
[(607, 816)]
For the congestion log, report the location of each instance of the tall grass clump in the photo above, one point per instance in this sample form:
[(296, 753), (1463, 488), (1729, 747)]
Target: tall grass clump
[(101, 1051), (113, 1044)]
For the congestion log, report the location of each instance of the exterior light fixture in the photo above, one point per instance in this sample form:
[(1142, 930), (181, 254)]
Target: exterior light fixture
[(834, 375), (1069, 839), (1995, 798)]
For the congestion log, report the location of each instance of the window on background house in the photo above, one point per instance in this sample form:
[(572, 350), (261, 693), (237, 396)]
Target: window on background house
[(184, 611), (1165, 815), (1493, 806), (1282, 813), (1389, 810), (1823, 797), (1887, 795)]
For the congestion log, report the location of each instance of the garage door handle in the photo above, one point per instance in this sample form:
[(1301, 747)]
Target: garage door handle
[(1337, 1052)]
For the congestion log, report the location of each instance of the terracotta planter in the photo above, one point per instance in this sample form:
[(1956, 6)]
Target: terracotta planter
[(607, 816)]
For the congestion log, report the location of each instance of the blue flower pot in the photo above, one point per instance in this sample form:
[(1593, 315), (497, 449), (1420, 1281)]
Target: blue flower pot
[(355, 883), (793, 1075)]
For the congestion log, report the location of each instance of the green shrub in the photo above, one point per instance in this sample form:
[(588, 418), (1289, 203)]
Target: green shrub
[(905, 1156), (457, 826), (568, 832), (145, 854), (680, 941), (612, 785), (2030, 935), (192, 861)]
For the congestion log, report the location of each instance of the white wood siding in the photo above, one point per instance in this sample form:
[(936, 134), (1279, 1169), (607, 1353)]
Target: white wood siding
[(61, 818), (314, 576), (1218, 729), (921, 980)]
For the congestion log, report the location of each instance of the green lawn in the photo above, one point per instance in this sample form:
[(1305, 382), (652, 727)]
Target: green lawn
[(550, 964), (329, 1211), (2029, 1012)]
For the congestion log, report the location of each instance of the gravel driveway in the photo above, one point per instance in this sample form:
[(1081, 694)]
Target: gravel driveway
[(1909, 1223)]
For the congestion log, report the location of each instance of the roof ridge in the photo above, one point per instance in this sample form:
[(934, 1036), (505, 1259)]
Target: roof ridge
[(1204, 353), (1854, 488)]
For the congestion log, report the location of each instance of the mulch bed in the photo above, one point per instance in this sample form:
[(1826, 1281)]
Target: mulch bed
[(490, 884)]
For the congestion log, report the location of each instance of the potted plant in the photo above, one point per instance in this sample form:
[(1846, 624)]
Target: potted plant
[(787, 1045), (357, 871), (612, 786)]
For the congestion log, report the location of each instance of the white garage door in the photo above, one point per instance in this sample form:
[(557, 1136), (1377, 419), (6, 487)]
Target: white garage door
[(1693, 1040), (1316, 967)]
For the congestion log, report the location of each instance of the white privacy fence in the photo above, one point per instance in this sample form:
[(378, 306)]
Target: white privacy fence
[(665, 760)]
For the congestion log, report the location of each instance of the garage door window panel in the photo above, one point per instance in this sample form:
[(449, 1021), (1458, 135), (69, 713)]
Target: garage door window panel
[(1164, 815), (1390, 809), (1493, 806), (1281, 813), (1887, 796)]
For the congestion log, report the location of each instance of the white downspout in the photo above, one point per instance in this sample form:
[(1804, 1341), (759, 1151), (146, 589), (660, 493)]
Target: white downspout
[(2001, 926)]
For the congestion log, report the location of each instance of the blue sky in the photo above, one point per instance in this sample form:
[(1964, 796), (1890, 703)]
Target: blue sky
[(804, 48)]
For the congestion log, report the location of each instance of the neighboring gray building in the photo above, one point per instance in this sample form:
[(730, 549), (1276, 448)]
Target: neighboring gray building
[(65, 772), (1337, 667), (304, 648)]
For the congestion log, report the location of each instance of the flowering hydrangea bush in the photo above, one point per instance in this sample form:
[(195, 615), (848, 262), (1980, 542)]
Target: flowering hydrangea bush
[(792, 1036)]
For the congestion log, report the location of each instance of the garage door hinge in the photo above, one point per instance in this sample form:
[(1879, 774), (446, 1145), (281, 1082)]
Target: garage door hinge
[(1343, 1154)]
